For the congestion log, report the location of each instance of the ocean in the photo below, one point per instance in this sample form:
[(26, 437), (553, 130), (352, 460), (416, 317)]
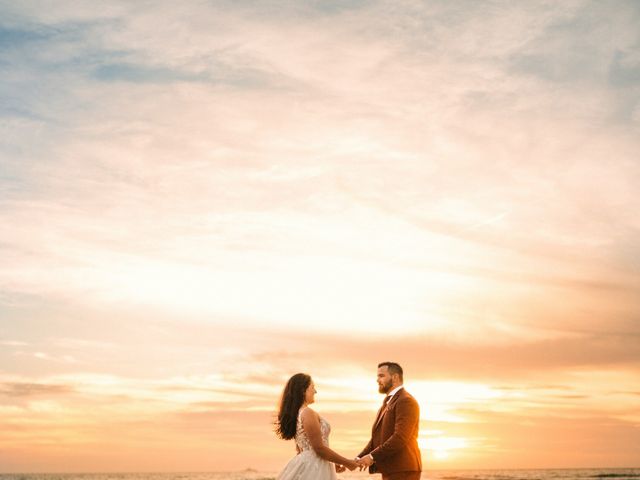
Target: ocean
[(540, 474)]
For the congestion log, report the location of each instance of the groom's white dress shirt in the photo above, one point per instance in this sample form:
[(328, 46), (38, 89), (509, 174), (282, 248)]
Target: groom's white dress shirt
[(394, 391)]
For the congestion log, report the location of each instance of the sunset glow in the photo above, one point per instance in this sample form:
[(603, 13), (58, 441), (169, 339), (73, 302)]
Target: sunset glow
[(200, 199)]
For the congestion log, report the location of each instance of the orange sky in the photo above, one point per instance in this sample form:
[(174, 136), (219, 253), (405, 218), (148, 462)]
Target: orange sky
[(198, 201)]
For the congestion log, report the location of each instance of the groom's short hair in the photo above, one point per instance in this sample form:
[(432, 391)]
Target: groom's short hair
[(392, 367)]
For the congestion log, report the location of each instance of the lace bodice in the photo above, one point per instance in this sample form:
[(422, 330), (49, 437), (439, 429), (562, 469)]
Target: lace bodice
[(301, 436)]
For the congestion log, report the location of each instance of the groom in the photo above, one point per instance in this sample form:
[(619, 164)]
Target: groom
[(393, 448)]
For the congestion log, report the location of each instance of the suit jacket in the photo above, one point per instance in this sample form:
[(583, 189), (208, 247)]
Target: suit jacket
[(394, 436)]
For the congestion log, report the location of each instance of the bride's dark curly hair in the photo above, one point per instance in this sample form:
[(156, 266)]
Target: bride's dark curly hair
[(290, 403)]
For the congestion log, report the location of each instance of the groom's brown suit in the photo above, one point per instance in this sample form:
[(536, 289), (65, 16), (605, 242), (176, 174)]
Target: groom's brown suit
[(394, 439)]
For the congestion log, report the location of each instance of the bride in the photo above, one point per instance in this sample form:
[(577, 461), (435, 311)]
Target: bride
[(315, 460)]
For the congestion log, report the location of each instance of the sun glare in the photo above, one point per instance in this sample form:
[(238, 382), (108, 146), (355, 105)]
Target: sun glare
[(441, 448), (438, 400), (323, 291)]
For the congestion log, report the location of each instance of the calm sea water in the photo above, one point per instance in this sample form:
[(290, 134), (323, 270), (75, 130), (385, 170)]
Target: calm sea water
[(560, 474)]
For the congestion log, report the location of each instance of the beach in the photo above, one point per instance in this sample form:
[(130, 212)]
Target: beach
[(251, 474)]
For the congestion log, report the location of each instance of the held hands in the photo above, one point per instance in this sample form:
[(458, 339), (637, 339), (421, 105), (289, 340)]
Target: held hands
[(364, 462), (351, 465)]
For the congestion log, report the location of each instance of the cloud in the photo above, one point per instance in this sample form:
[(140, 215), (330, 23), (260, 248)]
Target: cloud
[(18, 389), (132, 73), (449, 357)]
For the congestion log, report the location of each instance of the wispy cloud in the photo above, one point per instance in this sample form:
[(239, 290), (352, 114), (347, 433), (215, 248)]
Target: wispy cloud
[(32, 389)]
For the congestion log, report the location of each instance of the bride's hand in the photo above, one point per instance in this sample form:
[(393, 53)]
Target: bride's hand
[(340, 468)]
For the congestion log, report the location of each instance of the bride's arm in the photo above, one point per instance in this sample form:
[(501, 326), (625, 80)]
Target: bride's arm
[(311, 425)]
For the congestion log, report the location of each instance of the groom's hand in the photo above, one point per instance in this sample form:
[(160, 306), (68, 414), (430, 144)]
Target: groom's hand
[(365, 461)]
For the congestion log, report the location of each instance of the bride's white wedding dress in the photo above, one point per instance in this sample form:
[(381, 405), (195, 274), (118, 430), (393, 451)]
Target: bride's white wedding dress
[(307, 465)]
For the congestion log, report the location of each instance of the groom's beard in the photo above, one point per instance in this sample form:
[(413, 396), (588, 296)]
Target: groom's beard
[(385, 387)]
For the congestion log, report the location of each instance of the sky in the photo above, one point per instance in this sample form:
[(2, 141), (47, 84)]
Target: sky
[(200, 199)]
